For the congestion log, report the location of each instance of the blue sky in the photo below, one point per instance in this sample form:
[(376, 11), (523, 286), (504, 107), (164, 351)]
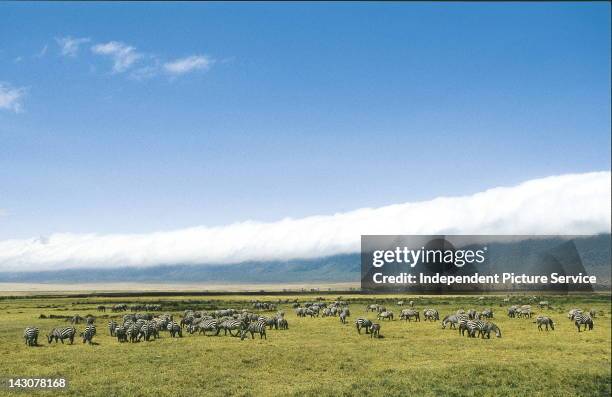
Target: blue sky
[(265, 111)]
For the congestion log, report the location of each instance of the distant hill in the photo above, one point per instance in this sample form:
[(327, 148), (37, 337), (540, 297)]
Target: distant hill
[(595, 253)]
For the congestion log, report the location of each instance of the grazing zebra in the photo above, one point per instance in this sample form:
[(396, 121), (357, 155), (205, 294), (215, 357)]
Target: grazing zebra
[(450, 319), (101, 308), (363, 323), (375, 330), (408, 314), (544, 304), (88, 334), (491, 327), (583, 319), (255, 327), (431, 315), (120, 334), (471, 314), (112, 325), (372, 308), (487, 313), (30, 334), (385, 315), (543, 320), (175, 329), (61, 334), (474, 326)]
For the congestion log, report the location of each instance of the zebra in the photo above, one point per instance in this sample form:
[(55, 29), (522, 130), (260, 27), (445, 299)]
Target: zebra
[(471, 314), (90, 319), (431, 315), (88, 334), (254, 327), (375, 330), (111, 327), (61, 334), (282, 323), (408, 314), (175, 329), (372, 308), (131, 331), (30, 334), (120, 333), (450, 319), (462, 320), (487, 313), (494, 328), (544, 304), (101, 308), (363, 323), (572, 313), (207, 325), (270, 322), (583, 319), (543, 320), (385, 315), (411, 303), (343, 317), (475, 325), (231, 325)]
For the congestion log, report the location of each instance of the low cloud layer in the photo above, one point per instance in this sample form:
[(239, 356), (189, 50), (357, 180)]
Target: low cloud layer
[(567, 204)]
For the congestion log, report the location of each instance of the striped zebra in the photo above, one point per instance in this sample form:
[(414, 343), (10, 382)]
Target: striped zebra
[(88, 334), (451, 319), (491, 327), (572, 313), (471, 314), (343, 317), (111, 327), (231, 325), (487, 313), (282, 323), (206, 325), (431, 315), (462, 320), (131, 331), (474, 326), (270, 321), (363, 323), (61, 334), (375, 330), (408, 314), (175, 329), (121, 334), (30, 335), (546, 321), (253, 328), (583, 319), (385, 315)]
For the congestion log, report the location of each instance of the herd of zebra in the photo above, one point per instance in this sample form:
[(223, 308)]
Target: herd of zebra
[(136, 327)]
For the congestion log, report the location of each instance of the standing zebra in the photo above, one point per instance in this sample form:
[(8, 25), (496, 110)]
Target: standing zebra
[(474, 326), (61, 334), (282, 323), (88, 334), (231, 325), (175, 329), (408, 314), (30, 334), (462, 320), (363, 323), (583, 319), (385, 315), (255, 327), (375, 330), (120, 334), (343, 317), (543, 320), (111, 327), (431, 314)]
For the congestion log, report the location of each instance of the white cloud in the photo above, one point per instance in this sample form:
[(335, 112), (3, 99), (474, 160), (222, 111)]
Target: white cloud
[(69, 46), (567, 204), (188, 64), (11, 97), (42, 52), (123, 55)]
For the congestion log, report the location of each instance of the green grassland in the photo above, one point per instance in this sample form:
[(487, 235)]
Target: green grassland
[(316, 356)]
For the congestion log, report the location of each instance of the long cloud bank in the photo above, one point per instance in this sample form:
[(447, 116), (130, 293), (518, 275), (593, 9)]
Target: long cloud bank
[(566, 204)]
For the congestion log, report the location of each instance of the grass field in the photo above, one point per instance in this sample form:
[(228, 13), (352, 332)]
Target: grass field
[(316, 356)]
